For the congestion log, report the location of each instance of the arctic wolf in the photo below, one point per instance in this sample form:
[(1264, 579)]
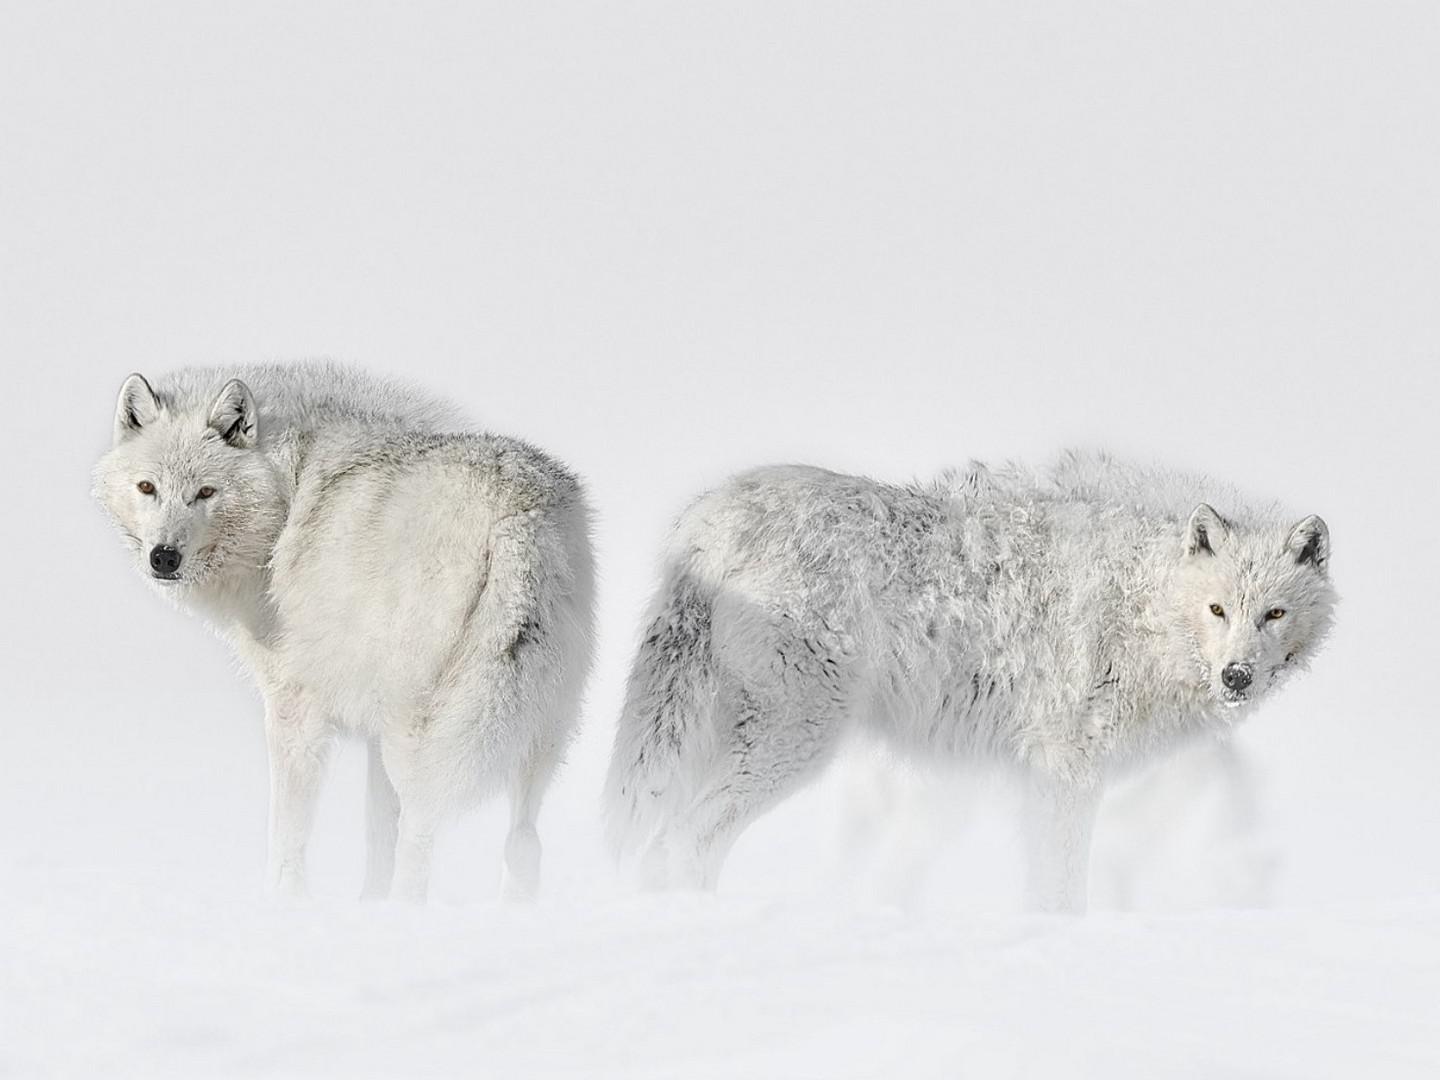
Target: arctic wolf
[(1068, 623), (381, 570)]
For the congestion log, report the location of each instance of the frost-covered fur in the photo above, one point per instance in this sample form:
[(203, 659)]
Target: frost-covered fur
[(1060, 622), (383, 570)]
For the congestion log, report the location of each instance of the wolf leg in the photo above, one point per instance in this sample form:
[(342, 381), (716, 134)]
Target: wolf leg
[(298, 742), (774, 749), (654, 867), (403, 757), (520, 879), (1059, 820), (382, 819), (415, 841)]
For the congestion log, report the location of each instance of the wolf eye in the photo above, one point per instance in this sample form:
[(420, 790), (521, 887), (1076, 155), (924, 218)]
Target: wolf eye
[(1217, 611), (205, 492), (146, 487), (1275, 613)]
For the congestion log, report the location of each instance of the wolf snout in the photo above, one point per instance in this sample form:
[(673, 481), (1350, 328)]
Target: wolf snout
[(1237, 676), (165, 560)]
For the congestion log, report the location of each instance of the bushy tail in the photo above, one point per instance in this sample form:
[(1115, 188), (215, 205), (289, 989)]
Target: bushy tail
[(666, 733)]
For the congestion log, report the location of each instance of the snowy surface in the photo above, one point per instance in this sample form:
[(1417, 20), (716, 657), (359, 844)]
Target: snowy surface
[(106, 975), (891, 952)]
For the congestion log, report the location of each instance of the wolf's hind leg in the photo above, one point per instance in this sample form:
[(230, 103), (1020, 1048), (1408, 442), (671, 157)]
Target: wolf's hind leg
[(408, 759), (1059, 820), (382, 820), (298, 741), (520, 879), (775, 748), (414, 844), (653, 870)]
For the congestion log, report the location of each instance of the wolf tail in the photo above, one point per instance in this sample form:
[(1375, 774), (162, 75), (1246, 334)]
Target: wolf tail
[(666, 733)]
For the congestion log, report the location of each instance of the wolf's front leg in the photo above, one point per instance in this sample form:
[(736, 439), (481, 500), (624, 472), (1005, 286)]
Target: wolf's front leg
[(298, 742), (1059, 820), (382, 819)]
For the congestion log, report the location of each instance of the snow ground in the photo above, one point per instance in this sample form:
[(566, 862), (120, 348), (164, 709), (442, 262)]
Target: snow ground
[(109, 974)]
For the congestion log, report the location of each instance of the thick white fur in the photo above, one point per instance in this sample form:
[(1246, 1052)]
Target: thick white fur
[(382, 569), (1059, 622)]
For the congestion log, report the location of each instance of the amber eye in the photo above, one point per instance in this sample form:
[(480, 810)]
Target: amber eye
[(1275, 613), (205, 492), (146, 487), (1217, 611)]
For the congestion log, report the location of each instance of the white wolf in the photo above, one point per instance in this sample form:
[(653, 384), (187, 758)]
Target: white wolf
[(381, 570), (1067, 622)]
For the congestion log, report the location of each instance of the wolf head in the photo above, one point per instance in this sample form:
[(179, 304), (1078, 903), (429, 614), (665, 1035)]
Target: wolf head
[(186, 484), (1254, 601)]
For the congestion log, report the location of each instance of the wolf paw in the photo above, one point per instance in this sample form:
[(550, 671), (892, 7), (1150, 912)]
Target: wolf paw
[(520, 881)]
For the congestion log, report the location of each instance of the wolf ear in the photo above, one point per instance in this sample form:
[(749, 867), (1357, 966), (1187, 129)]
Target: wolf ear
[(233, 415), (1309, 542), (1206, 531), (136, 408)]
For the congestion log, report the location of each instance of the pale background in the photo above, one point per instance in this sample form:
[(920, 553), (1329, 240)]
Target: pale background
[(667, 241)]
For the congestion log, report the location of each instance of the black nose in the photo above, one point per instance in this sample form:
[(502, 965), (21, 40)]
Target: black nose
[(164, 560), (1236, 676)]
